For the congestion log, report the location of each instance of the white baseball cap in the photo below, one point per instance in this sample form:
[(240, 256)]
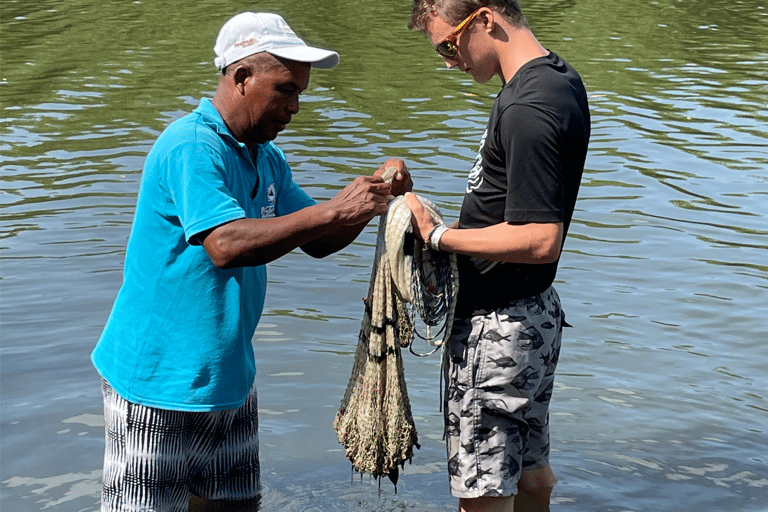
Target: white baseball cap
[(252, 32)]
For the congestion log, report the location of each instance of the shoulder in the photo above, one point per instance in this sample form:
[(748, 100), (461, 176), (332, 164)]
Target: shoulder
[(542, 79), (544, 89), (188, 133)]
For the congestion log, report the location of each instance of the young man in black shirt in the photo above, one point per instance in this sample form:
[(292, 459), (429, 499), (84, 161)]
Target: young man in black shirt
[(519, 201)]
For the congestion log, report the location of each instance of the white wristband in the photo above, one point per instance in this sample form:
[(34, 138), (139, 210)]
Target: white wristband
[(434, 239)]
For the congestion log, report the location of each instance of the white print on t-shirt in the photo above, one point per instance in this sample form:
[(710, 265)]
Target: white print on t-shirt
[(475, 178), (269, 210)]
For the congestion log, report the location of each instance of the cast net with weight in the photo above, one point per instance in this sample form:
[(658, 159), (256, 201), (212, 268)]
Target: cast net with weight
[(411, 287)]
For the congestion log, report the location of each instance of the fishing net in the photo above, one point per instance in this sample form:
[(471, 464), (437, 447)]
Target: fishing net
[(374, 422)]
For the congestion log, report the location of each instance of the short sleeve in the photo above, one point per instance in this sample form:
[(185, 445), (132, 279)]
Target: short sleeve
[(196, 183), (535, 179)]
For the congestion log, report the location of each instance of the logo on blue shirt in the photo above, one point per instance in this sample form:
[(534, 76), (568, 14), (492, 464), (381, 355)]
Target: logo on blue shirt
[(269, 210)]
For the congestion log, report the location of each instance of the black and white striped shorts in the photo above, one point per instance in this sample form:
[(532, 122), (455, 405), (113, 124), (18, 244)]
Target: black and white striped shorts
[(154, 458)]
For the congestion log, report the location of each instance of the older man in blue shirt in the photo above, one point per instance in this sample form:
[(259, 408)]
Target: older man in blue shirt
[(217, 201)]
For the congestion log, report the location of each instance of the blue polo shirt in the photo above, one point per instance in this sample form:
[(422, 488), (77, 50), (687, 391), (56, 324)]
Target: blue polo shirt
[(179, 334)]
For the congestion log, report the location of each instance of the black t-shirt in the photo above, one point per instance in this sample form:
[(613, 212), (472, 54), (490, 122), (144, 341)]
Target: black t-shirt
[(528, 170)]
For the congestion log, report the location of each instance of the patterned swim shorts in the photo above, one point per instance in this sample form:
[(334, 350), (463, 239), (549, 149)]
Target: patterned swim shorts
[(154, 458), (500, 370)]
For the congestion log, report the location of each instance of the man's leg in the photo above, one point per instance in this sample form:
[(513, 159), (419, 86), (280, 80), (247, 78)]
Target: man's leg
[(486, 504), (535, 485), (484, 425), (198, 504), (143, 457), (495, 432), (230, 480), (535, 490)]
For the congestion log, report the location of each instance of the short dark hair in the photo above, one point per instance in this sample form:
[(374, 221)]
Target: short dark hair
[(258, 63), (456, 10)]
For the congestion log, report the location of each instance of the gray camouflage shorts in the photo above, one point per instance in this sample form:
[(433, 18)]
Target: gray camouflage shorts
[(500, 370)]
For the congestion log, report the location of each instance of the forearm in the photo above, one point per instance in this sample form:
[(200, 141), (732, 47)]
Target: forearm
[(252, 242), (527, 243), (334, 240), (320, 229), (343, 235)]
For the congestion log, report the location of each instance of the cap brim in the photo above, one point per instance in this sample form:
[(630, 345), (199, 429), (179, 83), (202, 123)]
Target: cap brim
[(319, 58)]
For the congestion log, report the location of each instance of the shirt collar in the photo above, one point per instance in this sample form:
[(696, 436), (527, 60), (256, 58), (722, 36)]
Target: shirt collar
[(211, 117)]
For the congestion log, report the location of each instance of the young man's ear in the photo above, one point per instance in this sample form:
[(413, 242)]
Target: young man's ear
[(488, 18)]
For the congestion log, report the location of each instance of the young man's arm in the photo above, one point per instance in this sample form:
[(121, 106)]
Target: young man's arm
[(518, 243)]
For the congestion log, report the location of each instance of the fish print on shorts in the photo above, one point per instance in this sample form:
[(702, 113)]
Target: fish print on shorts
[(499, 381)]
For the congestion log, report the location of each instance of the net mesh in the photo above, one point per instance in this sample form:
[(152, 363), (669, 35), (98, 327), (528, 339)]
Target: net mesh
[(374, 422)]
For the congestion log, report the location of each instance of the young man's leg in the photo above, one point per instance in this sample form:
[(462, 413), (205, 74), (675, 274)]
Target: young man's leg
[(535, 490), (487, 504), (500, 378)]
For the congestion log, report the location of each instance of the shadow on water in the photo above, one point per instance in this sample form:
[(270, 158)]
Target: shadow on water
[(661, 396)]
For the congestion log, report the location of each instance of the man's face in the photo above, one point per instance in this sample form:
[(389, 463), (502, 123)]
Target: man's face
[(471, 54), (272, 98)]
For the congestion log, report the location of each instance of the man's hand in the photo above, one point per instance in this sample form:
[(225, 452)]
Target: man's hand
[(401, 183), (361, 200), (420, 218)]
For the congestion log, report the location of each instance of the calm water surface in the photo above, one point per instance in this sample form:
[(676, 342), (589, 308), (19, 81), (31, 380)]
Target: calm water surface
[(661, 403)]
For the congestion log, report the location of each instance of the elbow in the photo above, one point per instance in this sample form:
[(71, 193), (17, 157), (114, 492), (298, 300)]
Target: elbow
[(225, 264), (222, 260), (220, 253), (547, 249), (218, 246), (547, 254)]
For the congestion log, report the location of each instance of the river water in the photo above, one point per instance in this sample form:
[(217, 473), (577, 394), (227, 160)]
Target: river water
[(661, 402)]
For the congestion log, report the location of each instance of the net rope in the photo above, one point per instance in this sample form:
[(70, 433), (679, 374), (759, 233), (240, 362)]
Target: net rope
[(374, 422)]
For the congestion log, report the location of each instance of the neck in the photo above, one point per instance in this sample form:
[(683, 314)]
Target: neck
[(518, 48), (231, 116)]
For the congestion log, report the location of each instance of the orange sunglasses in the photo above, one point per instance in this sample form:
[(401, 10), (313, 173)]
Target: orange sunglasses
[(448, 47)]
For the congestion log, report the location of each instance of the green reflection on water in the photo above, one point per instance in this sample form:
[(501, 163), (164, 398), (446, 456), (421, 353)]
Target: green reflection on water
[(672, 210), (85, 67)]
